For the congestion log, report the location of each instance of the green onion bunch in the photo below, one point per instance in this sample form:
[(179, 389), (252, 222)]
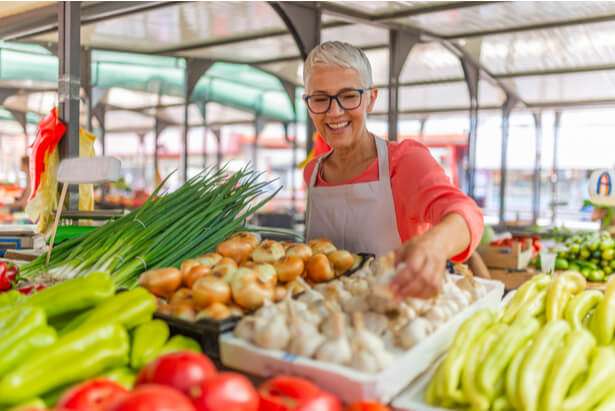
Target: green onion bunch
[(163, 232)]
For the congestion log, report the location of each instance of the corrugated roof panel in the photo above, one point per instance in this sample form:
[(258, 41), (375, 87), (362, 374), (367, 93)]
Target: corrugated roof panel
[(598, 85), (502, 15), (175, 114), (218, 113), (382, 101), (34, 102), (178, 25), (248, 51), (379, 7), (289, 70), (124, 98), (128, 120), (433, 96), (379, 60), (430, 61), (489, 95), (564, 47), (359, 35)]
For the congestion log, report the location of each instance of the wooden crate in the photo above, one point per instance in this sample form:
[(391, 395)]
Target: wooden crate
[(507, 257)]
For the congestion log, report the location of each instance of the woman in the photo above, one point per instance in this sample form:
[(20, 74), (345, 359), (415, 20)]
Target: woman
[(373, 196)]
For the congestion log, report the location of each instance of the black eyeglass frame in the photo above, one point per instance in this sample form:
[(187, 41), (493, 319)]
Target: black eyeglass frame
[(336, 97)]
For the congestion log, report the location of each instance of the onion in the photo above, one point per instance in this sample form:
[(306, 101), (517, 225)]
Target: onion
[(195, 273), (289, 268), (342, 260), (302, 251), (235, 310), (165, 309), (188, 264), (184, 310), (209, 290), (321, 245), (248, 290), (181, 295), (209, 259), (319, 268), (268, 251), (266, 274), (246, 236), (216, 311), (161, 281), (226, 267), (237, 249), (295, 287)]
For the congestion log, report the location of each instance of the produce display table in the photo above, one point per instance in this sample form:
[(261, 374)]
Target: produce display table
[(513, 279)]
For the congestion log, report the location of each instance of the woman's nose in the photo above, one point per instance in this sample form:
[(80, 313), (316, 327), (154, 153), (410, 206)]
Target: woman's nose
[(335, 107)]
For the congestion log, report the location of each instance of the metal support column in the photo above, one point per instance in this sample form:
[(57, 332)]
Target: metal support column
[(506, 109), (99, 112), (304, 25), (471, 75), (259, 125), (537, 168), (202, 105), (86, 84), (193, 72), (159, 126), (218, 133), (554, 174), (69, 22), (400, 44), (293, 170)]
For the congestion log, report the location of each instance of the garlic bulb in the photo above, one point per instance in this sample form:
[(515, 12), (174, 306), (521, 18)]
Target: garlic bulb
[(329, 326), (356, 286), (363, 360), (438, 313), (246, 326), (414, 332), (375, 323), (355, 304), (273, 334), (309, 295), (305, 338), (371, 342), (336, 350)]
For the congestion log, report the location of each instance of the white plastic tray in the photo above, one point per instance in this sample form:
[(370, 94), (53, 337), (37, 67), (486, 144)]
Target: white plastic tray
[(347, 383)]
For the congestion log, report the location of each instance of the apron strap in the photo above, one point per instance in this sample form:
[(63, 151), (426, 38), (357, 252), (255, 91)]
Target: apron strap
[(384, 173), (316, 170)]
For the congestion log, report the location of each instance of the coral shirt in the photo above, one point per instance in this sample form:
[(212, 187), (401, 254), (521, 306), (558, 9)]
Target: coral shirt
[(422, 193)]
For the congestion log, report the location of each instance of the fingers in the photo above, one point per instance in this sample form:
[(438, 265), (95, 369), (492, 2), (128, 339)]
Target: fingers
[(422, 275)]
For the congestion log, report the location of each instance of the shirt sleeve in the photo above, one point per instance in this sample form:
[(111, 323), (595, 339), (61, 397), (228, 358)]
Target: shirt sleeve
[(307, 172), (432, 196)]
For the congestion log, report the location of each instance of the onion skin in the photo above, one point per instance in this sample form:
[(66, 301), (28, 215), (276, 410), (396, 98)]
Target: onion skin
[(181, 295), (246, 236), (209, 290), (165, 309), (319, 268), (342, 260), (209, 259), (302, 251), (184, 310), (162, 282), (237, 249), (267, 273), (216, 311), (268, 251), (196, 272), (188, 264), (289, 268), (249, 292), (321, 245)]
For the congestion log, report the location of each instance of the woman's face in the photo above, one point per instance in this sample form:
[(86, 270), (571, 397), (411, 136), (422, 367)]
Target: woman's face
[(340, 128)]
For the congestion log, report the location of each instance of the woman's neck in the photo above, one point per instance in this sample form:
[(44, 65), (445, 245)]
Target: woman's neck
[(364, 150)]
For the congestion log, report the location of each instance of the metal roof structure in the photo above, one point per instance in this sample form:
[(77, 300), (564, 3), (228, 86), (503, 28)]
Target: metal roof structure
[(428, 57)]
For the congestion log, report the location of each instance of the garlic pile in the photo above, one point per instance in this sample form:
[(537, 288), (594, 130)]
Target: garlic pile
[(347, 321)]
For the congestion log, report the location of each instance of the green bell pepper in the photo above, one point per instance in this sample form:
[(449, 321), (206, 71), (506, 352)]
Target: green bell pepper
[(502, 352), (535, 306), (569, 361), (9, 298), (534, 365), (179, 343), (24, 347), (469, 381), (580, 306), (562, 288), (600, 381), (512, 376), (79, 355), (129, 309), (15, 327), (607, 404), (31, 404), (466, 336), (603, 318), (147, 340), (524, 295)]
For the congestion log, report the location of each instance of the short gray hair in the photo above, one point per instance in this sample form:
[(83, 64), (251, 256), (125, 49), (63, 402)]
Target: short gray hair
[(339, 54)]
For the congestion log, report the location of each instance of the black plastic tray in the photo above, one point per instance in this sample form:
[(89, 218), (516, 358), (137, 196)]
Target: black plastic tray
[(207, 331)]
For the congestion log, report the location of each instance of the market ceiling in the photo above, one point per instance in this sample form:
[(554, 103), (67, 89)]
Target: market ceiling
[(546, 54)]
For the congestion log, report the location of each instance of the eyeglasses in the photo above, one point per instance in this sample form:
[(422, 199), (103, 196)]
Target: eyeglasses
[(348, 99)]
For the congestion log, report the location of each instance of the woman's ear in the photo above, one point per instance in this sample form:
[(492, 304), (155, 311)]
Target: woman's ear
[(373, 94)]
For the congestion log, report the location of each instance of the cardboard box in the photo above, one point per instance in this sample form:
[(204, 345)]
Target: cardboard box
[(507, 257)]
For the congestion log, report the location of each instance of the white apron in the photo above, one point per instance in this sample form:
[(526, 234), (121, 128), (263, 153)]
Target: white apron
[(356, 217)]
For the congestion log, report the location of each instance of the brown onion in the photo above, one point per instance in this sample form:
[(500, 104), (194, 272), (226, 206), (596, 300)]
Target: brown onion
[(209, 290), (226, 267), (188, 264), (246, 236), (216, 311), (248, 290), (342, 260), (295, 287), (302, 251), (268, 251), (237, 249), (319, 268), (161, 281), (321, 245), (184, 310), (181, 295), (235, 310), (209, 259), (165, 309), (289, 268), (195, 273), (266, 273)]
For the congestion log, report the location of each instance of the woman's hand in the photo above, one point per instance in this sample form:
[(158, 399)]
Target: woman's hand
[(422, 275), (425, 258)]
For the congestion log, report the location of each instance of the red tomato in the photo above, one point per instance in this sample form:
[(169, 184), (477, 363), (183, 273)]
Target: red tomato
[(28, 290), (151, 397), (181, 370), (284, 393), (91, 395), (8, 272), (227, 391), (367, 406)]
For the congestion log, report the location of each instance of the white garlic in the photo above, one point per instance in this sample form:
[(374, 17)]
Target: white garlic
[(305, 338), (371, 342), (355, 304), (363, 360), (414, 332), (375, 323), (273, 334), (336, 350)]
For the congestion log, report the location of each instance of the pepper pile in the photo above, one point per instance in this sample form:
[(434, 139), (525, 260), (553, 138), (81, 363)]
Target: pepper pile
[(592, 255), (548, 349), (76, 330)]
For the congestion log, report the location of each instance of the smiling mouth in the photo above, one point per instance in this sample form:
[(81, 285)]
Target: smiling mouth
[(336, 126)]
